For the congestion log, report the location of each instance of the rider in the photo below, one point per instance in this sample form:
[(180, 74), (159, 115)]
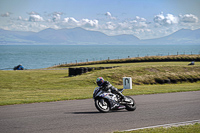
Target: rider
[(106, 86)]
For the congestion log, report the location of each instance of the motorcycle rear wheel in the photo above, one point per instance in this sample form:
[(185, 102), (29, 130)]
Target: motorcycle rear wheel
[(132, 106), (105, 107)]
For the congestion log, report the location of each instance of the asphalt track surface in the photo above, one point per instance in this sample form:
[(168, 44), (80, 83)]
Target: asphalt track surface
[(81, 116)]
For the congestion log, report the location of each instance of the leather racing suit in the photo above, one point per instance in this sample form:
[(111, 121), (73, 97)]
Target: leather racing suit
[(107, 86)]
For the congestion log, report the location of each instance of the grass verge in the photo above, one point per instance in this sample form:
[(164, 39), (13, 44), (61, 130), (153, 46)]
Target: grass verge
[(139, 59), (194, 128), (29, 86)]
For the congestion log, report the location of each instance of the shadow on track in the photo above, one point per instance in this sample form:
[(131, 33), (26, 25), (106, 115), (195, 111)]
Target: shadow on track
[(81, 112), (86, 112), (113, 111)]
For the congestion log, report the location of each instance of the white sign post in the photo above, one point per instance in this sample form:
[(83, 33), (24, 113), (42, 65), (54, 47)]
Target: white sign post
[(127, 82)]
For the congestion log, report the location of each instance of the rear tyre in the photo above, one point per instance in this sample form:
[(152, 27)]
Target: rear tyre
[(102, 105), (131, 106)]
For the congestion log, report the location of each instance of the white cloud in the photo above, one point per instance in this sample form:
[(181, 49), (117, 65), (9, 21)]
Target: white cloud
[(168, 20), (188, 18), (35, 18), (70, 20), (36, 26), (109, 26), (159, 18), (137, 18), (56, 17), (137, 23), (171, 19), (19, 18), (7, 14), (108, 14), (141, 25), (21, 25), (88, 23), (124, 26)]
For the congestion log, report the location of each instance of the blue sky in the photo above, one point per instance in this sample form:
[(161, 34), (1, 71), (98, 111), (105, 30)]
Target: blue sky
[(142, 18)]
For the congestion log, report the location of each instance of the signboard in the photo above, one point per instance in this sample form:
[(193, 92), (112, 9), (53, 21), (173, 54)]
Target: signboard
[(127, 82)]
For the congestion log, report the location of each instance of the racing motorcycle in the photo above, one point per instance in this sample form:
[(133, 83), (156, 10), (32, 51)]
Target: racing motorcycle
[(107, 101)]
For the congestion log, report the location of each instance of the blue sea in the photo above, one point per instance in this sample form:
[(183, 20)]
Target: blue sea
[(43, 56)]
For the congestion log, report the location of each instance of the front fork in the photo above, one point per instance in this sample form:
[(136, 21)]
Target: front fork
[(102, 101)]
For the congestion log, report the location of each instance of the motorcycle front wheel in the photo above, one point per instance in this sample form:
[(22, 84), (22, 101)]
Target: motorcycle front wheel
[(131, 106), (102, 105)]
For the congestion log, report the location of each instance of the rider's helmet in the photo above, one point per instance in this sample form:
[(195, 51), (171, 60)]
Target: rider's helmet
[(100, 81)]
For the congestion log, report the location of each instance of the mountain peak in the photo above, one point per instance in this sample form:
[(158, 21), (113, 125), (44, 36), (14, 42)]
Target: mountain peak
[(47, 30), (78, 28)]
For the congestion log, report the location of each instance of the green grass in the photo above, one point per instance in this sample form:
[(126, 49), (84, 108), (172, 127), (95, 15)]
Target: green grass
[(139, 59), (29, 86), (150, 73), (194, 128)]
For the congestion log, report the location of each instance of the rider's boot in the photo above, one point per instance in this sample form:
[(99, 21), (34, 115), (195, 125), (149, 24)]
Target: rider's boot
[(123, 98), (126, 99)]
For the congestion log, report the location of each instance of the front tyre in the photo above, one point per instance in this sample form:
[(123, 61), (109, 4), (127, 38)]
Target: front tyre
[(132, 105), (102, 105)]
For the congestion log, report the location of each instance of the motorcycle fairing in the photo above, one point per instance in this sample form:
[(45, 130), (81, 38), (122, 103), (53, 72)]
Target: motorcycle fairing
[(113, 103)]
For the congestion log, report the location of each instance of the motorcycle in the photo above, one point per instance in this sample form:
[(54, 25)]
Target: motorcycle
[(107, 101)]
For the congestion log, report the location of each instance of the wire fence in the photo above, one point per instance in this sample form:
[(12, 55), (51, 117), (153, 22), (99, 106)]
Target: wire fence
[(137, 56)]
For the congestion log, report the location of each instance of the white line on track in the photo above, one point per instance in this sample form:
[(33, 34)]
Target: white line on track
[(168, 125)]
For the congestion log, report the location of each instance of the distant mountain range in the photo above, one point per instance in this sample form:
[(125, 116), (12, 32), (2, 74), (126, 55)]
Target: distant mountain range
[(79, 36), (183, 36)]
